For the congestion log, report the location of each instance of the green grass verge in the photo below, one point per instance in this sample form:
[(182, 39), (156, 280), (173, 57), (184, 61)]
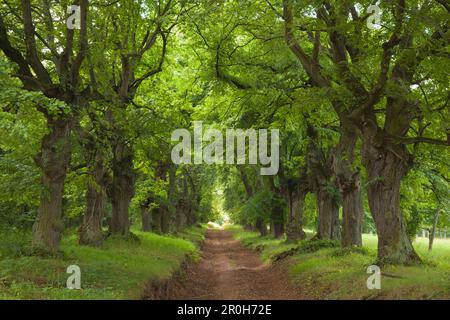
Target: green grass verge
[(117, 270), (334, 273)]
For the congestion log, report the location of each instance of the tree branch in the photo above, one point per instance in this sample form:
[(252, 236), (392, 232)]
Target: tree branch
[(83, 46), (311, 69), (32, 55), (15, 56), (158, 69)]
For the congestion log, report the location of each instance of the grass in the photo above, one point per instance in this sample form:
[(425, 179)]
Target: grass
[(334, 273), (117, 270)]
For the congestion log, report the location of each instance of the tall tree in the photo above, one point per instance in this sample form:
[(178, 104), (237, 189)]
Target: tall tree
[(384, 151), (49, 60)]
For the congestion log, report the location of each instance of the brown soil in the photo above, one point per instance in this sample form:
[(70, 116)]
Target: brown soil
[(230, 271)]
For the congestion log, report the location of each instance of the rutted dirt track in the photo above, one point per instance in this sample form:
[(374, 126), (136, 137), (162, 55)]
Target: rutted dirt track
[(228, 271)]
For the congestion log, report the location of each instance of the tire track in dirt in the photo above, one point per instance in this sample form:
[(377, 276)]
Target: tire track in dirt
[(229, 271)]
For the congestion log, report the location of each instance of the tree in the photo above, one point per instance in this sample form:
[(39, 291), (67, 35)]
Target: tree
[(133, 54), (384, 151), (51, 67)]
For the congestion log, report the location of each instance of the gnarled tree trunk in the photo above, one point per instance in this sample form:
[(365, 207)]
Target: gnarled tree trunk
[(386, 166), (348, 181), (122, 188), (294, 227), (54, 161), (90, 232), (328, 226), (387, 161), (322, 181), (352, 211)]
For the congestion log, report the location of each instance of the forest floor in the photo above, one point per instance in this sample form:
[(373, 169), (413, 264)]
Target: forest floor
[(228, 270)]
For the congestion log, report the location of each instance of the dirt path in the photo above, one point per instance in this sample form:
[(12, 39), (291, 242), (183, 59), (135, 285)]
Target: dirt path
[(228, 270)]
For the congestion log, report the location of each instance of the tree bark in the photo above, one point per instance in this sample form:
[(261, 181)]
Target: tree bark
[(181, 217), (294, 228), (387, 161), (322, 181), (386, 166), (352, 212), (146, 219), (328, 226), (122, 187), (433, 230), (157, 220), (182, 207), (162, 214), (170, 217), (90, 232), (278, 229), (165, 219), (54, 160), (277, 216), (261, 227), (194, 201), (348, 181)]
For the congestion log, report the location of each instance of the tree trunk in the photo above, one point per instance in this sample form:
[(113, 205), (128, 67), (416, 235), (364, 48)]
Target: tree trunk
[(294, 228), (261, 227), (246, 183), (122, 187), (328, 215), (347, 178), (433, 230), (157, 220), (352, 212), (277, 216), (322, 181), (146, 219), (170, 217), (386, 166), (90, 232), (54, 160), (387, 161), (278, 229), (181, 209), (165, 219)]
